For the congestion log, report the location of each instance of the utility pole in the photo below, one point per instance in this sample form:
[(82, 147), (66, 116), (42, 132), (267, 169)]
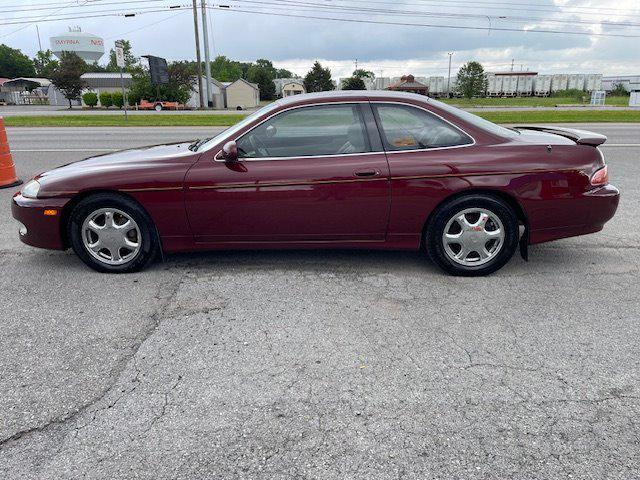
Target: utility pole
[(207, 62), (449, 77), (198, 59), (38, 32)]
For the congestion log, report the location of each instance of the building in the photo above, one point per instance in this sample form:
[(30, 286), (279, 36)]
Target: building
[(24, 91), (241, 94), (294, 87), (279, 82), (105, 82), (408, 83), (217, 94), (631, 83)]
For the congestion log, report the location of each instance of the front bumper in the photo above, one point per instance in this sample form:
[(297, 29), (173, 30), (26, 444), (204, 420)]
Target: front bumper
[(37, 229), (597, 207)]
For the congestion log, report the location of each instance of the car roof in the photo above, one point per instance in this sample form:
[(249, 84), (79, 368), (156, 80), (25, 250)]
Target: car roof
[(338, 95)]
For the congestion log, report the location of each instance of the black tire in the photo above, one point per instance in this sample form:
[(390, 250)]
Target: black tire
[(149, 247), (434, 243)]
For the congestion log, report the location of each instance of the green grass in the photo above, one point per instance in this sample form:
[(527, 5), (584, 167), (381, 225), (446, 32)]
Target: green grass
[(529, 101), (562, 116), (177, 120), (225, 120)]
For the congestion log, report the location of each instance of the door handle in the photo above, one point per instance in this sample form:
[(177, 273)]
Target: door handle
[(366, 173)]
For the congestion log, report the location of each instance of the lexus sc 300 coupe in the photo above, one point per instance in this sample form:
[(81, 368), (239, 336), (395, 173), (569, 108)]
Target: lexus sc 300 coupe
[(342, 170)]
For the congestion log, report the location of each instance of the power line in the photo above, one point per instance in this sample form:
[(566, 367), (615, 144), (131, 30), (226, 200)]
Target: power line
[(413, 13), (455, 27)]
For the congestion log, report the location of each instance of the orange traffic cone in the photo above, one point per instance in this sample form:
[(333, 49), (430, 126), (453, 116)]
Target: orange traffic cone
[(7, 168)]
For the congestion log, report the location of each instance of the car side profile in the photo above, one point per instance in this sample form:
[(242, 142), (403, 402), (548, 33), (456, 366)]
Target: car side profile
[(361, 169)]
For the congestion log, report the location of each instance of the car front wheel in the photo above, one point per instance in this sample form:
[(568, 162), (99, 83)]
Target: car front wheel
[(112, 234), (472, 235)]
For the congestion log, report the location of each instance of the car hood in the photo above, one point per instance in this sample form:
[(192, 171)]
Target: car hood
[(124, 159), (154, 166)]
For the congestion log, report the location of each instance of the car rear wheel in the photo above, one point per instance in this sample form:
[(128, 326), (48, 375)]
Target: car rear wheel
[(472, 235), (112, 233), (158, 107)]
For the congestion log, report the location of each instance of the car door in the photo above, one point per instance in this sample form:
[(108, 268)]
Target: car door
[(306, 174)]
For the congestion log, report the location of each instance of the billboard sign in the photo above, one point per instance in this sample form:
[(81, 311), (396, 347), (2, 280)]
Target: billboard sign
[(158, 69)]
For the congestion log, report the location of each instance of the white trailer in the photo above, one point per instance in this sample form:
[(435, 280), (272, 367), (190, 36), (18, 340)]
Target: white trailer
[(542, 85), (576, 81), (559, 82), (382, 83), (437, 86), (524, 85), (593, 82), (494, 85), (509, 85)]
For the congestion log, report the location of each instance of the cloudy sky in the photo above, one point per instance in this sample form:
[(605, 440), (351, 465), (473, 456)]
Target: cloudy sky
[(389, 37)]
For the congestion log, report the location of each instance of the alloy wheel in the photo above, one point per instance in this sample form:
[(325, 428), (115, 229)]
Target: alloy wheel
[(111, 236), (473, 236)]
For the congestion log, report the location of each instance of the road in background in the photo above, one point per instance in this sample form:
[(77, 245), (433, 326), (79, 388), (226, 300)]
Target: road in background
[(319, 364), (100, 139)]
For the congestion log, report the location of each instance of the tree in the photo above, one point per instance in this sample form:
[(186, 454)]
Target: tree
[(130, 60), (361, 73), (179, 88), (225, 70), (262, 73), (318, 79), (45, 64), (284, 73), (472, 81), (353, 83), (619, 90), (14, 63), (90, 99), (67, 76)]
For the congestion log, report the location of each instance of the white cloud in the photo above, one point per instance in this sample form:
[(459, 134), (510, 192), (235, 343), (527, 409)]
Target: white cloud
[(295, 43)]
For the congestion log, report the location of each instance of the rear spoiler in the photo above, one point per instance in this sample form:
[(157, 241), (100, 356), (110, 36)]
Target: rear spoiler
[(582, 137)]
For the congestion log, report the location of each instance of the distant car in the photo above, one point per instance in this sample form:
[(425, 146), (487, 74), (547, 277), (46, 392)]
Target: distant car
[(364, 169)]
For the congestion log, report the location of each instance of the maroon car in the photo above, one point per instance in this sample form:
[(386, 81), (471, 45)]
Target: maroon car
[(330, 170)]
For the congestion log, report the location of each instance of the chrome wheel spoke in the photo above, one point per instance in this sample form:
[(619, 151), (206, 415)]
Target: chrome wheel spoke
[(468, 242), (111, 236)]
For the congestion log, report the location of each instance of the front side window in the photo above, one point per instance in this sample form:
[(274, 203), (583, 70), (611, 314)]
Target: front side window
[(409, 128), (307, 131)]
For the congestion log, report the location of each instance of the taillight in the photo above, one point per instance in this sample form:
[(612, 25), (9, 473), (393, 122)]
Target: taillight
[(601, 177)]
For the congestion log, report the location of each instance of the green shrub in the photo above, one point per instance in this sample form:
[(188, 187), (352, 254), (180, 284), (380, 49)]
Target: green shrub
[(90, 99), (572, 93), (116, 98), (106, 99)]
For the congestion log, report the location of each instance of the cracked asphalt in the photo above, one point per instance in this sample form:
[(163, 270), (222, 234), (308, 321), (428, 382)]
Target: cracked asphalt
[(320, 364)]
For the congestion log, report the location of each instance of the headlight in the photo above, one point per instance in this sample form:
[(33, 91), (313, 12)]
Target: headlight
[(31, 189)]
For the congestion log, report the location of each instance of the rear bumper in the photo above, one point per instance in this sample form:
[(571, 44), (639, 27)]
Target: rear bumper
[(37, 229), (598, 206)]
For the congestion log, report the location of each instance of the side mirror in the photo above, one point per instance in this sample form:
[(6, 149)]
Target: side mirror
[(230, 152)]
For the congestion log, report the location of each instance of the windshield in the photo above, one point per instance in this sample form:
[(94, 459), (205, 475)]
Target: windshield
[(476, 120), (239, 126)]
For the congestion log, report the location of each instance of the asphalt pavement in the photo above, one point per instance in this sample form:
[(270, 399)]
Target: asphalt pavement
[(319, 364)]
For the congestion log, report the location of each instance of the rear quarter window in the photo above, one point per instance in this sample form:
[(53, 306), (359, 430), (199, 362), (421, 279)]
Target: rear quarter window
[(409, 128)]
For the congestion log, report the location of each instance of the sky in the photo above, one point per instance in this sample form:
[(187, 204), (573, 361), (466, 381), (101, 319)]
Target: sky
[(391, 38)]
